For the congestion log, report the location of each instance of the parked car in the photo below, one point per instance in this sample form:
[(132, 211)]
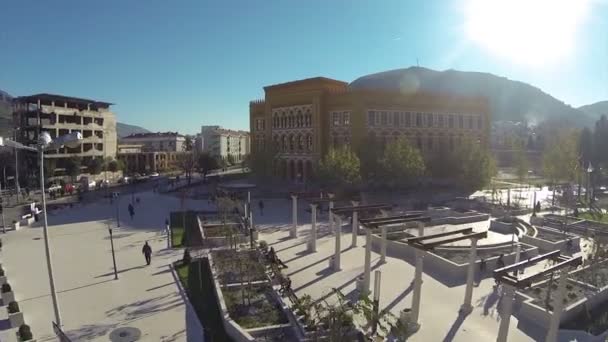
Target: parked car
[(124, 180), (154, 174), (52, 188)]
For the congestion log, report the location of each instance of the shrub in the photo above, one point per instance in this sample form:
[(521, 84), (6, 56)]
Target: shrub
[(13, 307), (263, 245), (6, 287), (1, 271), (571, 295), (25, 333), (187, 258)]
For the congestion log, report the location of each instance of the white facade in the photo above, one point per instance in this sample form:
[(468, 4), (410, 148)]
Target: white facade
[(156, 142), (221, 143)]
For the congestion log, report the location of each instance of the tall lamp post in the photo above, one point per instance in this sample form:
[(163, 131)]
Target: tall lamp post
[(45, 143)]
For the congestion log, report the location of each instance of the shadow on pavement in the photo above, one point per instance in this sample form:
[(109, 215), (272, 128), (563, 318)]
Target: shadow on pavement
[(455, 326), (120, 271)]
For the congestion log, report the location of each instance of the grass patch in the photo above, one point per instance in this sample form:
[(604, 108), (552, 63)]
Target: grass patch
[(253, 307), (182, 273), (594, 217), (177, 236)]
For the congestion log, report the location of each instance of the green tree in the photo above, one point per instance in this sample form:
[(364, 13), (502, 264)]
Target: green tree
[(370, 151), (113, 166), (72, 167), (521, 162), (188, 144), (206, 163), (560, 160), (187, 164), (95, 166), (474, 167), (230, 159), (339, 167), (401, 164)]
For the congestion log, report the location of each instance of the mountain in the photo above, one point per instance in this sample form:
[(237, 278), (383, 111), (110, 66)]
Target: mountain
[(596, 110), (509, 100), (122, 129)]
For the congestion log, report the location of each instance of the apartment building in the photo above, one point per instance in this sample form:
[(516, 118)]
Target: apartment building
[(222, 143), (59, 115)]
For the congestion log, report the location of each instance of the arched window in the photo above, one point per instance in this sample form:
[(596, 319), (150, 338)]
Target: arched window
[(300, 142), (292, 143), (309, 142), (277, 143), (284, 143)]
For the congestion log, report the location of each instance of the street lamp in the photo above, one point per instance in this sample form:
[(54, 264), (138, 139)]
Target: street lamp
[(45, 143), (588, 192), (113, 254)]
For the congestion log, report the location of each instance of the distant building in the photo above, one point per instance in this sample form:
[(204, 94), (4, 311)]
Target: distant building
[(156, 142), (221, 143), (137, 161), (59, 115), (299, 121), (199, 145)]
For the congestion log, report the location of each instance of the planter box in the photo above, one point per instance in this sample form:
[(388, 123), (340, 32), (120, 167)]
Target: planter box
[(16, 319), (7, 297)]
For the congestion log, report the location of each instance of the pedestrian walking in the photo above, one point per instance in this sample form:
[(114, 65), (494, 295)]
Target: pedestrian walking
[(131, 210), (261, 205), (147, 252)]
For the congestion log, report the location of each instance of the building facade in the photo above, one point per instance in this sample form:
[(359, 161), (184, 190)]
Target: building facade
[(297, 122), (147, 162), (156, 142), (59, 115), (222, 143)]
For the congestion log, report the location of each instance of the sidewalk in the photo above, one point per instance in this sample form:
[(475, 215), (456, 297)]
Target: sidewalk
[(92, 303)]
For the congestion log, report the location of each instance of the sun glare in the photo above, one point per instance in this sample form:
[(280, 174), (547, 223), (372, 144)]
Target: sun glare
[(531, 32)]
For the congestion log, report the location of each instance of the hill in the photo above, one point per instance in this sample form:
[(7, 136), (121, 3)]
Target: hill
[(123, 129), (509, 100), (596, 110)]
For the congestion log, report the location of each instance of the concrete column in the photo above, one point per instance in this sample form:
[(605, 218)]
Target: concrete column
[(338, 247), (355, 228), (417, 285), (507, 310), (294, 214), (466, 307), (420, 229), (383, 245), (312, 247), (368, 261), (558, 306), (331, 216), (251, 219)]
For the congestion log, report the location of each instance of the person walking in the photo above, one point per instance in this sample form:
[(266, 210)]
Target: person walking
[(131, 210), (147, 252), (261, 205)]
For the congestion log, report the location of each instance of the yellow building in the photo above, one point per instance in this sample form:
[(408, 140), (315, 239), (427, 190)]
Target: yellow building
[(300, 120)]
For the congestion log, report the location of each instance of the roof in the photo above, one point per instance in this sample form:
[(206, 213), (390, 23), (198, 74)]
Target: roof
[(307, 80), (153, 135), (60, 98)]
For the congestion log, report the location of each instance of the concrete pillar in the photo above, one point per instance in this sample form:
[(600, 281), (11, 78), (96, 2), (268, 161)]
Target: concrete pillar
[(383, 245), (417, 285), (368, 261), (466, 307), (420, 229), (251, 219), (355, 228), (331, 217), (294, 214), (507, 310), (249, 198), (558, 306), (312, 246), (338, 247)]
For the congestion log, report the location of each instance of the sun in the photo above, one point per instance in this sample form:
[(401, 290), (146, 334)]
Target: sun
[(531, 32)]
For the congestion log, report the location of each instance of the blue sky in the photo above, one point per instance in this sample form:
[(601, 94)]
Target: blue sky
[(177, 65)]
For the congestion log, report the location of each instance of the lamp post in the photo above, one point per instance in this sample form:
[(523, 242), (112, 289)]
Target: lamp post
[(116, 195), (113, 254), (45, 143)]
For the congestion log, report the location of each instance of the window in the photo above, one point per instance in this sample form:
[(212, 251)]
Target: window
[(418, 119), (300, 143), (336, 118), (371, 118), (309, 142), (460, 121), (384, 118), (389, 116), (407, 119), (440, 120), (470, 122), (451, 121), (346, 118), (429, 119)]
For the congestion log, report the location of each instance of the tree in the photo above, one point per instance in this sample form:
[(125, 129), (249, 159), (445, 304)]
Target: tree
[(339, 167), (401, 164), (186, 163), (230, 159), (473, 165), (560, 160), (72, 167), (95, 166), (113, 166), (370, 151), (206, 163), (187, 147), (521, 162)]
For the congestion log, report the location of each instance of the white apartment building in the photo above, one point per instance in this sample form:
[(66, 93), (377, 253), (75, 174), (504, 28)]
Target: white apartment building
[(221, 143), (156, 142)]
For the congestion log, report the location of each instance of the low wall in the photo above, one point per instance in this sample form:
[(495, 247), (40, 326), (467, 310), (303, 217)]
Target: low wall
[(456, 272), (548, 246), (501, 227), (460, 219), (198, 326)]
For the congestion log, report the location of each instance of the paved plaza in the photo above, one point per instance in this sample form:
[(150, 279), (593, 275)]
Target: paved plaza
[(92, 303)]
